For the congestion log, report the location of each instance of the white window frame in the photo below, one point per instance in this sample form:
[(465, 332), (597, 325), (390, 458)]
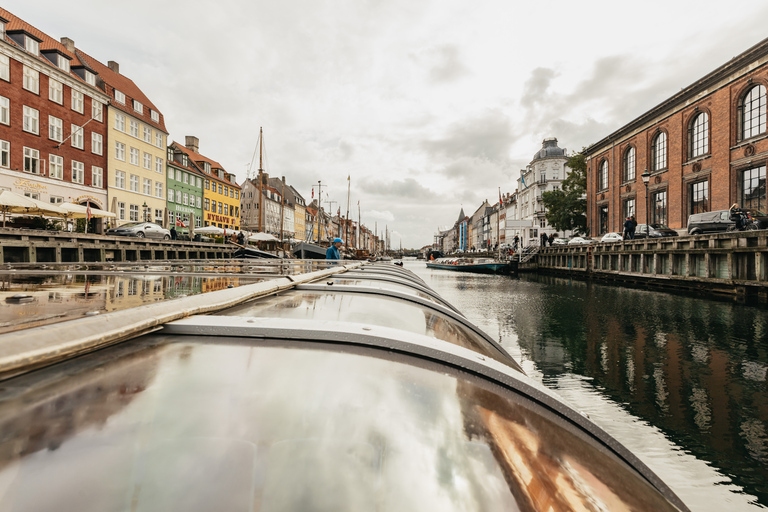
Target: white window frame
[(138, 107), (158, 139), (78, 141), (5, 154), (97, 143), (158, 165), (97, 110), (121, 211), (147, 161), (55, 167), (31, 120), (120, 181), (134, 156), (55, 91), (78, 172), (55, 129), (185, 199), (134, 127), (31, 45), (5, 68), (120, 122), (158, 189), (119, 151), (90, 78), (147, 186), (133, 213), (97, 176), (31, 80), (146, 133), (33, 156), (119, 97), (154, 115), (77, 101), (171, 195), (178, 196), (134, 183)]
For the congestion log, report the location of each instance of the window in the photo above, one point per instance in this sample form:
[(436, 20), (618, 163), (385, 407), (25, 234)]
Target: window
[(659, 152), (154, 115), (97, 110), (221, 187), (237, 193), (119, 97), (78, 172), (199, 183), (5, 68), (90, 78), (55, 91), (31, 80), (121, 211), (178, 196), (171, 195), (158, 220), (138, 107), (134, 155), (120, 151), (147, 133), (55, 129), (158, 165), (207, 204), (31, 45), (159, 141), (753, 112), (64, 64), (56, 199), (170, 173), (77, 101), (120, 122), (753, 188), (207, 184), (158, 189), (221, 207), (699, 192), (186, 178), (134, 213), (134, 128), (147, 186), (31, 120), (659, 207), (629, 208), (602, 176), (629, 164), (213, 206), (120, 182), (97, 177), (5, 153), (56, 167), (77, 137), (33, 195), (31, 160), (5, 110), (134, 183), (97, 143), (147, 161), (199, 201), (698, 138), (185, 199)]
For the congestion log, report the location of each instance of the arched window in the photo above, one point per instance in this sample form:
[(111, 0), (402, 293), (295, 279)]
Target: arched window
[(602, 176), (699, 135), (659, 152), (753, 112), (629, 164)]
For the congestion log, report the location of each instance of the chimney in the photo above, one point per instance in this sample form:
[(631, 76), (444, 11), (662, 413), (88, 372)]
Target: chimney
[(114, 66), (68, 44), (192, 142)]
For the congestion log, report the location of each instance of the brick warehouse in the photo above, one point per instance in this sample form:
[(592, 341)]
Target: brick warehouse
[(705, 148)]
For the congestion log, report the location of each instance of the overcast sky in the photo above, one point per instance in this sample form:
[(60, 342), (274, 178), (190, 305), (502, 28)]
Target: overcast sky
[(428, 105)]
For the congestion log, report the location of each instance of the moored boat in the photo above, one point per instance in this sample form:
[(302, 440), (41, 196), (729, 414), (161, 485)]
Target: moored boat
[(476, 265), (308, 251)]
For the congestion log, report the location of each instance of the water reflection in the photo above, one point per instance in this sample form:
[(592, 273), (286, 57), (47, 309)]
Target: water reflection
[(692, 368), (34, 300)]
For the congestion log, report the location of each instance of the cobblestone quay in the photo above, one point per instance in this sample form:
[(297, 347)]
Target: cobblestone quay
[(723, 263), (38, 246)]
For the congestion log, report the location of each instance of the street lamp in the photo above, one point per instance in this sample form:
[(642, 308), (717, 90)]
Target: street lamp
[(145, 211), (646, 178)]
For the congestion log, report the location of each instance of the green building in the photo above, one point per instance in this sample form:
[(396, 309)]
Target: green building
[(185, 191)]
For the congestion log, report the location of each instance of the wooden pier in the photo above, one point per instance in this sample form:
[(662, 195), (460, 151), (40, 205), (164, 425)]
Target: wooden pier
[(38, 246), (724, 263)]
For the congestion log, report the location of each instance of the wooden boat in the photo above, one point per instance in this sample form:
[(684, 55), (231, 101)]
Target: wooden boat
[(476, 265), (308, 251), (358, 379), (250, 252)]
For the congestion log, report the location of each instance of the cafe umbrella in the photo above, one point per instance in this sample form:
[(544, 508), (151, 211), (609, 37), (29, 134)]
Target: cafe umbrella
[(79, 211), (15, 203)]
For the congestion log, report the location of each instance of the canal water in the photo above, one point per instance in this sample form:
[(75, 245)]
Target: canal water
[(678, 379)]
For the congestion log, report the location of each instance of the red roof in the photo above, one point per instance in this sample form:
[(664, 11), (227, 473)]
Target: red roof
[(197, 157)]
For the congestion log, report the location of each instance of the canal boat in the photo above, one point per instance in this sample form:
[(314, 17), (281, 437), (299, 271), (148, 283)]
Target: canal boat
[(475, 265), (355, 387), (308, 251)]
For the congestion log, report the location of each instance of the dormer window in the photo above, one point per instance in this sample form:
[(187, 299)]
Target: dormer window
[(154, 115), (170, 154), (184, 160), (119, 97), (23, 38), (207, 167), (63, 64), (31, 46), (138, 107), (3, 21), (90, 78)]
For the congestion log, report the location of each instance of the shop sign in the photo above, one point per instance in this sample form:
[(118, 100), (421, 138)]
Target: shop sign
[(29, 185), (218, 218)]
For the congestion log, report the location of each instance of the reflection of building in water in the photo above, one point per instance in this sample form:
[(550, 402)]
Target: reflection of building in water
[(48, 299), (211, 284), (131, 291), (48, 413)]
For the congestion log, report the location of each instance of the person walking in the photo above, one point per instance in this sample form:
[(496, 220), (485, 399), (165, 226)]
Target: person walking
[(634, 226), (333, 251), (517, 240), (174, 235), (628, 229)]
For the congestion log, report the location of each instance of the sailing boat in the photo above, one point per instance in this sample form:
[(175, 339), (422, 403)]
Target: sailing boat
[(307, 250)]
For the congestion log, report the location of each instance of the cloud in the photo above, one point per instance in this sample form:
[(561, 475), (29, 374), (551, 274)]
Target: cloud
[(536, 86), (485, 136), (404, 189)]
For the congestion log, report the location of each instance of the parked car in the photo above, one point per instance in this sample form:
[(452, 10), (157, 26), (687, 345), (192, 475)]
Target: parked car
[(720, 221), (612, 237), (141, 230), (653, 231), (560, 241), (580, 240)]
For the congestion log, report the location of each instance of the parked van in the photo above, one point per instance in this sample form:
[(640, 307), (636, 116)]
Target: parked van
[(719, 221)]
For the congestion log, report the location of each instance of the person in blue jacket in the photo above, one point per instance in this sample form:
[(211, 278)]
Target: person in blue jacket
[(333, 251)]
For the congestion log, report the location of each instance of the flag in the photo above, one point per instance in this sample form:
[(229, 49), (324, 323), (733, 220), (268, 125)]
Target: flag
[(88, 211), (500, 201), (313, 192), (180, 223), (522, 178)]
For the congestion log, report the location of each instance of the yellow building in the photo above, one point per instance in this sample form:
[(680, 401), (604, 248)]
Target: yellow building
[(221, 193), (136, 149)]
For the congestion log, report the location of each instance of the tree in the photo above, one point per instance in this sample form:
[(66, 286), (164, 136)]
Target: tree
[(567, 207)]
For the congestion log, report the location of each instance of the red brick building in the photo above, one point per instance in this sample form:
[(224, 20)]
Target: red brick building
[(705, 148), (53, 135)]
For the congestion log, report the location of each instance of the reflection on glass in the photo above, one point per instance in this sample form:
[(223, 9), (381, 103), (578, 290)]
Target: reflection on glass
[(242, 428)]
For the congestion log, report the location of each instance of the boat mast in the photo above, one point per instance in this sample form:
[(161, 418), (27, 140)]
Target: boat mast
[(261, 170), (319, 214), (346, 221)]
